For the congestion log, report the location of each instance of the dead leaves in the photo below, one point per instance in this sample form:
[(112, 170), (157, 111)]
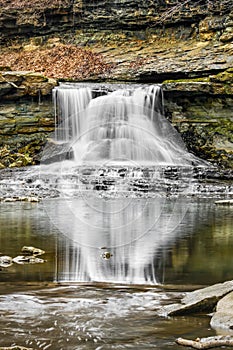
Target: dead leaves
[(60, 62)]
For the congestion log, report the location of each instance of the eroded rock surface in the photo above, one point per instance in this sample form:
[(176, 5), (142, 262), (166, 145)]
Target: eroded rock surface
[(199, 300), (222, 319)]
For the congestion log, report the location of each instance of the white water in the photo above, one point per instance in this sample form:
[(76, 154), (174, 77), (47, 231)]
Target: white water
[(125, 125)]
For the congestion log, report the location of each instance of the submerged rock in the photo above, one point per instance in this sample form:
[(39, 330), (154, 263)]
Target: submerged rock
[(22, 259), (29, 257), (32, 251), (5, 261)]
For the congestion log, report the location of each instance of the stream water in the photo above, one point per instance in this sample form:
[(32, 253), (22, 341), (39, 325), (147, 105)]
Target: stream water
[(127, 226), (70, 302)]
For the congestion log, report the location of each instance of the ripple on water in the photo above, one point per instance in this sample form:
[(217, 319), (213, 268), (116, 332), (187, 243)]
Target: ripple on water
[(81, 317)]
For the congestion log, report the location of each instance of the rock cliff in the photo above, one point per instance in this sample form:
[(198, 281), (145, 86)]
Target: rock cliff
[(54, 16)]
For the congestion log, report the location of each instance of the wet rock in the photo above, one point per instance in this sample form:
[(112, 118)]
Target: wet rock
[(24, 129), (10, 199), (5, 261), (224, 202), (21, 199), (19, 83), (5, 88), (32, 251), (210, 26), (203, 299), (55, 152), (32, 199), (227, 35), (22, 259), (222, 319)]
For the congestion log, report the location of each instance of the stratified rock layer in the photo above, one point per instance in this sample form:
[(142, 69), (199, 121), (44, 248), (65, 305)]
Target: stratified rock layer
[(199, 300)]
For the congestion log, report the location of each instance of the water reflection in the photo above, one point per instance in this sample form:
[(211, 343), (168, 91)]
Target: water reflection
[(114, 240), (204, 253), (149, 241), (26, 224)]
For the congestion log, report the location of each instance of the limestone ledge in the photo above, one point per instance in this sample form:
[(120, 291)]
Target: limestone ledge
[(163, 57), (201, 110), (208, 18), (14, 85)]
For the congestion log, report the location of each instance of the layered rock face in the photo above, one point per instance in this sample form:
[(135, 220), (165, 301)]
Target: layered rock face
[(186, 46), (26, 117), (21, 18)]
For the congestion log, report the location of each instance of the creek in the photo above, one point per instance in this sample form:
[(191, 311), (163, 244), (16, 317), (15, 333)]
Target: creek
[(72, 301), (122, 237)]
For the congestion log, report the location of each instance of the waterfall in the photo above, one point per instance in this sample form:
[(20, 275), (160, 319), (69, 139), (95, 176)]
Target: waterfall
[(117, 124), (69, 103)]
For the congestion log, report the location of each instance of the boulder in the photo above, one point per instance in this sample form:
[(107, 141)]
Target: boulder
[(222, 319), (200, 300)]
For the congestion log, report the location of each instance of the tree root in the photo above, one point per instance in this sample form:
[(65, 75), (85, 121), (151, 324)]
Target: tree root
[(206, 343)]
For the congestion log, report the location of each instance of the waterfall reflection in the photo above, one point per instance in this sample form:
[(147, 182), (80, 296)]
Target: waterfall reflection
[(160, 241), (129, 231)]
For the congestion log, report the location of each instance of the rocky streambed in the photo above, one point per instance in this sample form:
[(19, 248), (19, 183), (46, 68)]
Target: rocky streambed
[(217, 301), (35, 183)]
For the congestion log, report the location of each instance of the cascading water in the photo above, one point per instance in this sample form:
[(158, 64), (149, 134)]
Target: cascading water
[(124, 125), (71, 104)]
